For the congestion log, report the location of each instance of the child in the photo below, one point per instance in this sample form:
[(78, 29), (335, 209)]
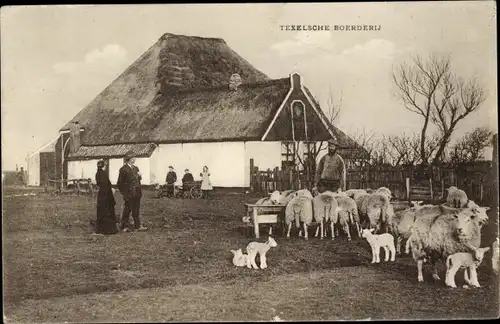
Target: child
[(206, 185)]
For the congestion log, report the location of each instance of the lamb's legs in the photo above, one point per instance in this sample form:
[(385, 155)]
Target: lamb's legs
[(263, 261), (473, 276), (392, 249), (321, 226), (450, 276), (466, 277), (249, 262), (316, 233), (332, 225), (305, 231), (374, 255), (252, 260), (420, 264), (386, 252)]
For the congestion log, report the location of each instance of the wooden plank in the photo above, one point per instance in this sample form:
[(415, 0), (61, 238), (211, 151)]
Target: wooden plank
[(267, 219), (255, 223)]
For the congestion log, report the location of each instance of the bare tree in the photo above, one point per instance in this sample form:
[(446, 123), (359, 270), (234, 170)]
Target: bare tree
[(417, 84), (430, 89), (470, 147), (465, 97)]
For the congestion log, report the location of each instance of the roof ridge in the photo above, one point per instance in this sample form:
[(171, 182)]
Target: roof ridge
[(243, 85), (171, 35)]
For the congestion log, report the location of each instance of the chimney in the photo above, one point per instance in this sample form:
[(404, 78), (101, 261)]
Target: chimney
[(74, 133), (235, 81), (296, 80)]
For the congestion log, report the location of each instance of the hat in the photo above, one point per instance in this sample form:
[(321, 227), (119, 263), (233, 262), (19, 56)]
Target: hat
[(332, 141), (128, 156), (170, 167), (100, 163), (187, 170)]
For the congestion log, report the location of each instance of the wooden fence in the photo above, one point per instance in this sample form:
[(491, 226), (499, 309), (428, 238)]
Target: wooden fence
[(477, 180)]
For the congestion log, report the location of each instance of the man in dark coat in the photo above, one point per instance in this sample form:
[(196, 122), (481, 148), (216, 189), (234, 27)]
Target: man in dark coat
[(170, 180), (129, 184), (331, 170)]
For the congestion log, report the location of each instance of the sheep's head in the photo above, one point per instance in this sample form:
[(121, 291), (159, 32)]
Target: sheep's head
[(246, 219), (416, 203), (236, 252), (480, 252), (467, 223), (451, 189), (275, 197), (271, 242), (367, 232), (480, 212)]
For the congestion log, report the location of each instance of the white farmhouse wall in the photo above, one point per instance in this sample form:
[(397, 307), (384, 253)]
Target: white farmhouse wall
[(114, 169), (34, 170), (225, 160), (82, 169)]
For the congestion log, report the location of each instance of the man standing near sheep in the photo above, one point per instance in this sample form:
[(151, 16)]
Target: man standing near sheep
[(331, 170)]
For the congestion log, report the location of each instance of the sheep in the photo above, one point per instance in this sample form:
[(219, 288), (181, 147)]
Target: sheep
[(456, 198), (384, 191), (374, 208), (281, 197), (347, 215), (469, 261), (354, 193), (494, 256), (300, 209), (325, 209), (401, 224), (439, 231), (385, 241)]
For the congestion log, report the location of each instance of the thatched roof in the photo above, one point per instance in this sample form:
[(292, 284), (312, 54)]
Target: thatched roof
[(178, 91), (173, 63)]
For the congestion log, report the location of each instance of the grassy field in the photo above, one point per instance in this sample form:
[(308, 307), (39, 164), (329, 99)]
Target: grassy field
[(180, 270)]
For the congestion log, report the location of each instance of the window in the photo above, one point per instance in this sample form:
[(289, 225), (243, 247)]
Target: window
[(287, 155), (298, 109)]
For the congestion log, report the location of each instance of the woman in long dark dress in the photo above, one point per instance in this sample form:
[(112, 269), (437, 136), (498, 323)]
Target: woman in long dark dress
[(106, 218)]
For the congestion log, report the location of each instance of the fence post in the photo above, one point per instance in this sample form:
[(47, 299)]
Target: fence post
[(276, 178), (251, 176), (408, 188), (430, 188), (442, 188), (290, 178)]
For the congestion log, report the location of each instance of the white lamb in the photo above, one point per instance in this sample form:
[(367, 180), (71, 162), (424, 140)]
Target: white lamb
[(456, 198), (385, 241), (254, 248), (461, 260), (239, 259)]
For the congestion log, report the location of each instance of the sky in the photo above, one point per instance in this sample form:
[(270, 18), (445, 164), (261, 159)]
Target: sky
[(56, 59)]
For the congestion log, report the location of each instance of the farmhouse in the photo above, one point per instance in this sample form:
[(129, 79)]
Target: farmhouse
[(189, 102)]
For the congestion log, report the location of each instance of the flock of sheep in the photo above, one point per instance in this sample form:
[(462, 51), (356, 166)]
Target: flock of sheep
[(431, 232)]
